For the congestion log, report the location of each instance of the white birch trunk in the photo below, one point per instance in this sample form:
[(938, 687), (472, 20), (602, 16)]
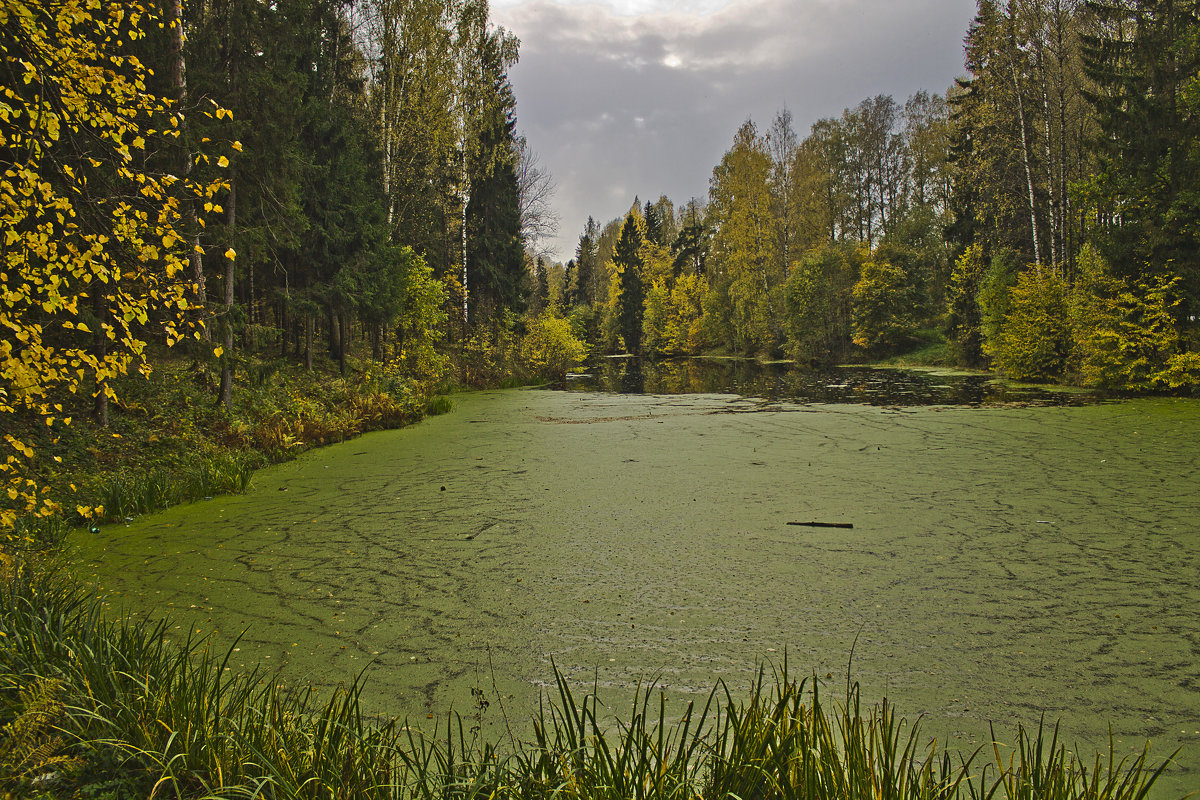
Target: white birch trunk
[(1025, 151)]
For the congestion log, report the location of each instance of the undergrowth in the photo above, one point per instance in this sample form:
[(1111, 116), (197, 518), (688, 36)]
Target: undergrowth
[(929, 348), (91, 708), (168, 442)]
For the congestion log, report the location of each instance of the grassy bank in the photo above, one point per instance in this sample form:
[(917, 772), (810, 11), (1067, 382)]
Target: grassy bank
[(168, 442), (928, 348), (100, 708)]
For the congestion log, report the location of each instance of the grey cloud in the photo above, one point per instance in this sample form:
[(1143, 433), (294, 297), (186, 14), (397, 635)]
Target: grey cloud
[(622, 105)]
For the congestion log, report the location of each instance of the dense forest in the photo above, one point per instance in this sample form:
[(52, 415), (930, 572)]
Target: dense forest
[(1037, 218), (342, 182), (237, 180)]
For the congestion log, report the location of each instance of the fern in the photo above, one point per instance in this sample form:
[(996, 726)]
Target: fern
[(31, 749)]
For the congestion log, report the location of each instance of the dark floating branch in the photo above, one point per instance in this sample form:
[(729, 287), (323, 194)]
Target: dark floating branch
[(824, 524)]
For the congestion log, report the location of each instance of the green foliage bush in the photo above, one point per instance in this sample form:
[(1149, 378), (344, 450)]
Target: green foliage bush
[(819, 291), (419, 322), (1126, 332), (1034, 341), (491, 353), (655, 319), (684, 328), (673, 323), (882, 311), (963, 317), (550, 349), (1104, 331), (585, 323), (916, 242), (995, 294), (714, 322)]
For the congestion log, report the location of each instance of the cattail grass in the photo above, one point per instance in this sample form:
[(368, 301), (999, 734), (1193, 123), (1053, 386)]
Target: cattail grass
[(92, 707)]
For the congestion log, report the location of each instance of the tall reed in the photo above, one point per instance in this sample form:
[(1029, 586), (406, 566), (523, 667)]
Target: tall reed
[(119, 710)]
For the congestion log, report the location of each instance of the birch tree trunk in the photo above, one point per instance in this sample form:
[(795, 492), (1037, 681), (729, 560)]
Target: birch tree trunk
[(226, 391), (179, 83), (1026, 154)]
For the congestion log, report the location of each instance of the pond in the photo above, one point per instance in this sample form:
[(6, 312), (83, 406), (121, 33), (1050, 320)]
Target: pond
[(842, 384), (1004, 562)]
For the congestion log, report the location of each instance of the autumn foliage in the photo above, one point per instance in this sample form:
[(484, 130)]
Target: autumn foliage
[(94, 245)]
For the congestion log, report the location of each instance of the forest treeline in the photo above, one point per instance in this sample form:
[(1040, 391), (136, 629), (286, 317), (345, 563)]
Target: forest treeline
[(333, 180), (300, 180), (1040, 215)]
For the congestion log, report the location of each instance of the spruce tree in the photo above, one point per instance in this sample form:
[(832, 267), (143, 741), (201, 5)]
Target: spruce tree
[(495, 255), (1144, 62), (627, 259), (568, 294), (690, 247), (586, 257), (654, 226)]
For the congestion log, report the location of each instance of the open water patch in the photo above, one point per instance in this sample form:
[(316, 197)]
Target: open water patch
[(879, 386)]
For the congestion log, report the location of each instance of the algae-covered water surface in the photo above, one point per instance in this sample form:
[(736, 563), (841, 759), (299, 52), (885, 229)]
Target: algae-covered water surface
[(1003, 562)]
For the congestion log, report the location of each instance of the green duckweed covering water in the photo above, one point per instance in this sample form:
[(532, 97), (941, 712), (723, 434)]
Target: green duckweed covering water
[(1003, 562)]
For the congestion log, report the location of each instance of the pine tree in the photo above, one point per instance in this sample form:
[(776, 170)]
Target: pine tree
[(690, 247), (568, 292)]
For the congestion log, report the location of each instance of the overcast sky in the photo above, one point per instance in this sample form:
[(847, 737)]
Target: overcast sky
[(642, 97)]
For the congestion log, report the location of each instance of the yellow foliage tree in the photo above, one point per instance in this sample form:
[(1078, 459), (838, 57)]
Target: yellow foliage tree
[(93, 243)]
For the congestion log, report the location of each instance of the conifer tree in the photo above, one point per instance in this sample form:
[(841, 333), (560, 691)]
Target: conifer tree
[(654, 226), (1144, 60), (627, 260), (690, 247), (568, 292), (495, 255), (586, 262)]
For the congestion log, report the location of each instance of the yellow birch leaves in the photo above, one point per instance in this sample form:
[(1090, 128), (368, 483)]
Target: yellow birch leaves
[(93, 255)]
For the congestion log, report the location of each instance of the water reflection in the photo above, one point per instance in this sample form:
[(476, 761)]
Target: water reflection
[(849, 384)]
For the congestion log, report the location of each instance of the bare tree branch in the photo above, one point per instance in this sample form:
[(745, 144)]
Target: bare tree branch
[(539, 221)]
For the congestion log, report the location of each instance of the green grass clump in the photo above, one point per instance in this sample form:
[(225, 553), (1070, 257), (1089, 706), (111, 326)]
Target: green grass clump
[(123, 495), (437, 405), (95, 708)]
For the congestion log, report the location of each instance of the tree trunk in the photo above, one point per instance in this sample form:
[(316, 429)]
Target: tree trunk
[(463, 229), (179, 83), (308, 337), (345, 342), (283, 328), (1026, 154), (226, 392), (334, 335), (251, 318), (1047, 132), (100, 351)]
